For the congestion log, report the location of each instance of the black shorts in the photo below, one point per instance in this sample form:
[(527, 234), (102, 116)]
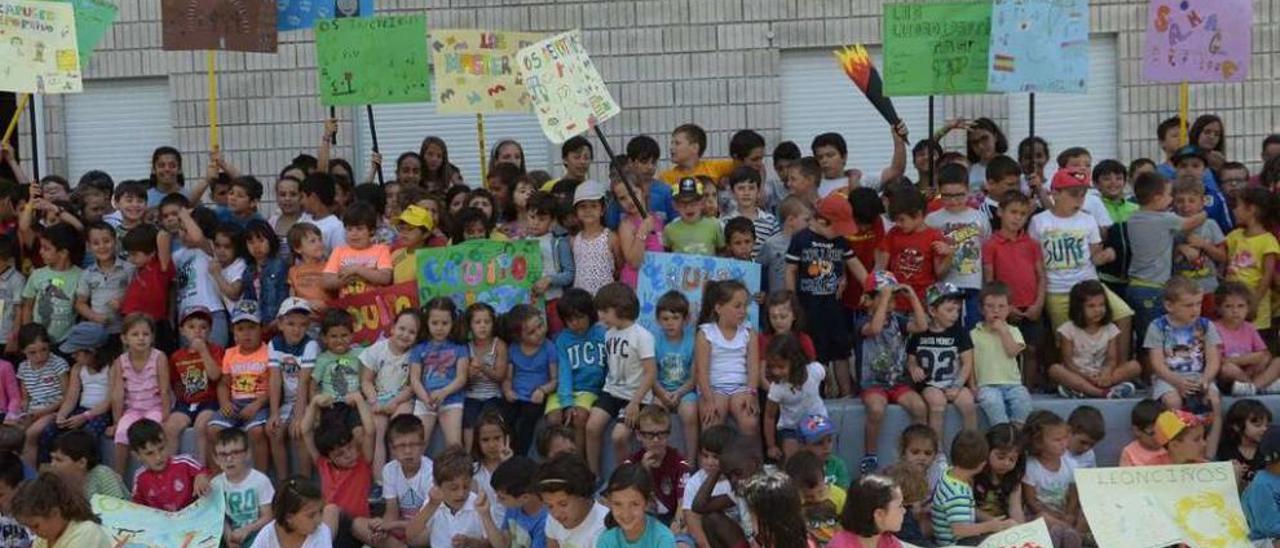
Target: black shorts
[(345, 535), (611, 404), (1032, 331), (473, 408), (193, 410), (828, 323)]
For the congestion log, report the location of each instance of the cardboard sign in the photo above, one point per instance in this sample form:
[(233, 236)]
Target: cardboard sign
[(475, 70), (567, 91), (1028, 535), (374, 311), (136, 526), (1156, 506), (373, 60), (38, 46), (936, 48), (303, 14), (231, 25), (499, 273), (1039, 46), (687, 274), (93, 20), (1198, 41)]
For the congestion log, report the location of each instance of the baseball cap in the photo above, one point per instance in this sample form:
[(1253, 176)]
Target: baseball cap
[(687, 188), (197, 310), (84, 336), (416, 215), (246, 310), (878, 279), (294, 304), (1189, 151), (836, 210), (1069, 178), (588, 190), (1171, 423), (815, 427), (942, 290), (1269, 447)]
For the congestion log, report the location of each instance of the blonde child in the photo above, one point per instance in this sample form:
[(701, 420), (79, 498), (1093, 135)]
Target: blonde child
[(996, 346), (487, 369), (42, 377), (1090, 345), (673, 351), (1184, 349), (1048, 485), (438, 371), (1252, 251), (941, 358), (139, 384), (596, 253), (726, 359), (384, 377), (533, 372), (794, 393), (1246, 362)]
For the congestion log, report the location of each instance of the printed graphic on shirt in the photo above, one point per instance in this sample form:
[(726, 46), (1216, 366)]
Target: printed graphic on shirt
[(1183, 345), (910, 263), (968, 247), (344, 370), (54, 306), (1065, 249), (823, 520), (1243, 260), (820, 263), (673, 368)]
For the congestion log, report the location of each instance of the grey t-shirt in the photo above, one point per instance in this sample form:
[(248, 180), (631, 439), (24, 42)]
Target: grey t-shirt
[(1202, 269), (1151, 235), (773, 259), (966, 231)]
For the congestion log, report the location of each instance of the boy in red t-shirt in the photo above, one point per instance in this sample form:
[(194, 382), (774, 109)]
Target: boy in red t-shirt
[(194, 371), (916, 254), (164, 481), (342, 456), (867, 213), (665, 464), (149, 251), (1010, 256)]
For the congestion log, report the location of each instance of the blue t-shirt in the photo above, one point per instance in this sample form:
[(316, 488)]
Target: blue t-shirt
[(226, 216), (674, 359), (439, 361), (526, 530), (528, 372), (1262, 506), (581, 362), (655, 534), (660, 203)]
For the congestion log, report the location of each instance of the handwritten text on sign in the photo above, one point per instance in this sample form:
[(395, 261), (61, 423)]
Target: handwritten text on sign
[(937, 48), (232, 25), (1156, 506), (374, 311), (93, 20), (1039, 45), (130, 525), (568, 93), (38, 48), (475, 70), (373, 60), (498, 273), (1198, 41), (688, 275)]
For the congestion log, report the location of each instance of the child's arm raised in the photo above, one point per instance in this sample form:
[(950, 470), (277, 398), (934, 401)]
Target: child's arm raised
[(192, 236), (366, 441), (879, 312), (309, 419), (1010, 344), (496, 536), (420, 526), (919, 319), (704, 503), (898, 163), (210, 174), (327, 137), (164, 249)]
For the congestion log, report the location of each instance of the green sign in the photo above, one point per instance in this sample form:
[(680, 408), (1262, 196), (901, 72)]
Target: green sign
[(93, 20), (499, 273), (371, 60), (936, 48)]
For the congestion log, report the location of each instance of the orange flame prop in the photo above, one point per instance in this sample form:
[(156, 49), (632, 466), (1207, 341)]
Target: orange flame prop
[(857, 64)]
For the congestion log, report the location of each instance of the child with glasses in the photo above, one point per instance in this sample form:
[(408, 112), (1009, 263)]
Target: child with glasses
[(964, 228), (248, 492), (664, 463)]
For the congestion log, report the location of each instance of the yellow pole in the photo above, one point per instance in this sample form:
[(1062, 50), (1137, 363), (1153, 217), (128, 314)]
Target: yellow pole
[(1184, 111), (484, 160), (17, 115), (211, 66)]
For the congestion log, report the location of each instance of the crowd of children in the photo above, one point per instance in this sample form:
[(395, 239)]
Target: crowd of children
[(146, 312)]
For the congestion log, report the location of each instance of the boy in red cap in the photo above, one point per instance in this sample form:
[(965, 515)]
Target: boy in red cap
[(816, 262)]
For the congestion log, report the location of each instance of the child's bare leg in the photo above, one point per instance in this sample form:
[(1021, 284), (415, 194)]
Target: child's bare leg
[(936, 402), (467, 433), (688, 411), (621, 441), (876, 403), (202, 436), (428, 426), (1126, 332), (174, 425), (451, 425), (279, 456), (1127, 371), (1234, 373), (843, 378), (915, 406), (579, 417), (596, 424), (30, 448), (1172, 400), (968, 407), (261, 448), (379, 442), (1267, 376), (1074, 381), (748, 420)]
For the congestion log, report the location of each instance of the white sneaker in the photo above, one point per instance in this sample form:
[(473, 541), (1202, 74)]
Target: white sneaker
[(1273, 388), (1245, 388)]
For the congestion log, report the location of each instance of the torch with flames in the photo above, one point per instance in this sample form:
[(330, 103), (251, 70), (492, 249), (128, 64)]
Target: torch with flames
[(856, 63)]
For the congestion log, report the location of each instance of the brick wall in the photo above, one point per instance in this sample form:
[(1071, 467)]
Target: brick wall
[(714, 62)]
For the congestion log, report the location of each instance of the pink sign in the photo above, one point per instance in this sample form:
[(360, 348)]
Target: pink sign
[(1198, 41)]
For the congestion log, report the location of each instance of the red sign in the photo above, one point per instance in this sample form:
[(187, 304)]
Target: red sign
[(374, 310)]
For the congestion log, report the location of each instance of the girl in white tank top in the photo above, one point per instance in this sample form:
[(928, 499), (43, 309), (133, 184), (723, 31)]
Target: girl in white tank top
[(726, 357)]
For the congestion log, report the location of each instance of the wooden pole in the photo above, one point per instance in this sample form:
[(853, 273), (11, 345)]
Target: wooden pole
[(635, 198), (211, 69), (373, 132)]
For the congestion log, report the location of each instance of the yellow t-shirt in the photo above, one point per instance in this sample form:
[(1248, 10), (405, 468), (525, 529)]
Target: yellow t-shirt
[(404, 266), (1246, 261), (85, 534), (715, 169), (994, 367)]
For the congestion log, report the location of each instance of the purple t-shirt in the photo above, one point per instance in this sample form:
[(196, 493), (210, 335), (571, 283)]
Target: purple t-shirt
[(1241, 341), (439, 362)]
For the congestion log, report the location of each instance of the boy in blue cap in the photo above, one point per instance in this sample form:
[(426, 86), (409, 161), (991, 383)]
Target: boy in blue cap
[(818, 435)]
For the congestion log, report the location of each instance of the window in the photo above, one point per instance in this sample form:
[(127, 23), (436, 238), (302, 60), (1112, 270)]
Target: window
[(115, 125)]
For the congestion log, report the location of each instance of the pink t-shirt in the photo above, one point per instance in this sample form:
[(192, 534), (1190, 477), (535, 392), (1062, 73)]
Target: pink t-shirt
[(845, 539), (1240, 341)]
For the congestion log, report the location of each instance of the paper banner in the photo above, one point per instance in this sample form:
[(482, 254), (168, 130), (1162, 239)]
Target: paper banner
[(38, 48), (93, 20), (303, 14), (566, 89), (1198, 41), (1156, 506), (375, 310), (1039, 46), (936, 48), (373, 60), (475, 70), (498, 273), (663, 272), (231, 25), (136, 526), (1028, 535)]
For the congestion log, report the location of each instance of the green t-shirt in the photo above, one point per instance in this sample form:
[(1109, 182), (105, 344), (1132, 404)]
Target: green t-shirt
[(1119, 210), (102, 480), (338, 374), (701, 238), (53, 293), (837, 474)]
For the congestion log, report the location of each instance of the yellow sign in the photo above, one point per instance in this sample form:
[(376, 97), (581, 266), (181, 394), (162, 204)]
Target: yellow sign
[(38, 47), (475, 70), (1156, 506)]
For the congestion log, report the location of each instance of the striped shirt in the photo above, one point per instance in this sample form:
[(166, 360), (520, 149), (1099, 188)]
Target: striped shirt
[(952, 503), (765, 225), (43, 384)]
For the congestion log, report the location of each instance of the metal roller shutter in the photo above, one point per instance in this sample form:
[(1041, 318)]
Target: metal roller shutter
[(1067, 120), (115, 125)]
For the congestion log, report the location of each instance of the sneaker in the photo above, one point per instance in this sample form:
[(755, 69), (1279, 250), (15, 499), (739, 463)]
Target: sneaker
[(1121, 391), (1067, 393), (1243, 389), (868, 465), (1273, 388)]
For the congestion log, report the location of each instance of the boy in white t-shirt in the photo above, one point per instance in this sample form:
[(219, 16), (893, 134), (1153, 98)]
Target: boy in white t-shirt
[(196, 286), (629, 353), (248, 492), (452, 511), (406, 480), (318, 196)]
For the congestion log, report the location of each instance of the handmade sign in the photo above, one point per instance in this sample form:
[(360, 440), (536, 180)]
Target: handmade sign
[(1039, 46), (1028, 535), (1198, 41), (136, 526), (303, 14), (857, 66), (499, 273), (936, 48), (475, 70), (567, 91), (93, 20), (231, 25), (375, 309), (687, 274), (373, 60), (1155, 506), (38, 46)]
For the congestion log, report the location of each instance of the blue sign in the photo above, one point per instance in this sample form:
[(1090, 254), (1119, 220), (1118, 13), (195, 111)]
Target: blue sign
[(1039, 46), (302, 14), (663, 272)]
